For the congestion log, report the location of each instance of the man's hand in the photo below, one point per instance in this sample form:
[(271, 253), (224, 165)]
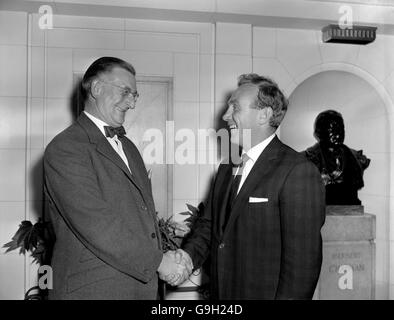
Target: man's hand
[(170, 271), (183, 258)]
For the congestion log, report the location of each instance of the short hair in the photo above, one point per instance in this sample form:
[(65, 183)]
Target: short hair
[(100, 66), (269, 95)]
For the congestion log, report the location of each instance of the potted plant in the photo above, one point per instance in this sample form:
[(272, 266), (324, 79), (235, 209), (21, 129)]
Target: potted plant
[(38, 239)]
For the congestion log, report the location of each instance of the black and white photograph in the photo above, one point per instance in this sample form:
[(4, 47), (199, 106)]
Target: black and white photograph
[(199, 150)]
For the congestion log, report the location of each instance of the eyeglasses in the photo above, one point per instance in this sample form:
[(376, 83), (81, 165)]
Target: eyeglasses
[(125, 92)]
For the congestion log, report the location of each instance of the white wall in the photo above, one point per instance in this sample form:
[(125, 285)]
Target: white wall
[(204, 60), (13, 75)]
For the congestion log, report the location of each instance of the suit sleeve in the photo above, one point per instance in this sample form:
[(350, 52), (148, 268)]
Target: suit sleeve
[(302, 214), (73, 188), (198, 243)]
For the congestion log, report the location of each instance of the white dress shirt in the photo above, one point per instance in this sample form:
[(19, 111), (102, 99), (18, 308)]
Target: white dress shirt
[(253, 154), (114, 142)]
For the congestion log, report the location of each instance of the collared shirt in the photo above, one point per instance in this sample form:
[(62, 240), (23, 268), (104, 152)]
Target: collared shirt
[(114, 142), (253, 154)]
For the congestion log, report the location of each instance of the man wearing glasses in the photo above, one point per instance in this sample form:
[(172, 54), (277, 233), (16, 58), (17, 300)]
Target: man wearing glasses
[(108, 243)]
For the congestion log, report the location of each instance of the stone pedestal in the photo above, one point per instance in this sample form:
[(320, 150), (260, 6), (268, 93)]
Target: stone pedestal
[(348, 268)]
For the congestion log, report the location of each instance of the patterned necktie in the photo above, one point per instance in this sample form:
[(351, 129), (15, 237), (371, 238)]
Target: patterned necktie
[(111, 131), (234, 187), (238, 177)]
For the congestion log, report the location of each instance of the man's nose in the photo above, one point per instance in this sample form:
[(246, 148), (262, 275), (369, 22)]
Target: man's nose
[(227, 114), (131, 103)]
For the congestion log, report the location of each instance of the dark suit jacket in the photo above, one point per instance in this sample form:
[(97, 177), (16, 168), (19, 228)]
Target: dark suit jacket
[(268, 250), (107, 239)]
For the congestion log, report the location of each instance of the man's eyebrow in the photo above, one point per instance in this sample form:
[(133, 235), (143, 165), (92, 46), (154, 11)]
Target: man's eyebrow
[(125, 87)]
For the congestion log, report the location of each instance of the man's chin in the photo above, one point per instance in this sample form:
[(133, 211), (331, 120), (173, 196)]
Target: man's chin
[(119, 121)]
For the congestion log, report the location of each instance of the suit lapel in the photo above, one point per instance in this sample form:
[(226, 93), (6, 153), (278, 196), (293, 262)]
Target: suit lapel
[(221, 196), (131, 158), (137, 166), (264, 164), (104, 147)]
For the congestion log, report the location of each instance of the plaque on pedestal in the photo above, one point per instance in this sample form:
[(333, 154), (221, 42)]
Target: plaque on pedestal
[(348, 268)]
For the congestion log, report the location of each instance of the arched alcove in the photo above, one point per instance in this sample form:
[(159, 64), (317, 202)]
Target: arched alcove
[(364, 108)]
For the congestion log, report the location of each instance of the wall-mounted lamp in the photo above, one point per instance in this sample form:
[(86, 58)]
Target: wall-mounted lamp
[(356, 35)]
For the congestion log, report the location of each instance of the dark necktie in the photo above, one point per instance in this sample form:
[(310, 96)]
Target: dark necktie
[(234, 187), (111, 131)]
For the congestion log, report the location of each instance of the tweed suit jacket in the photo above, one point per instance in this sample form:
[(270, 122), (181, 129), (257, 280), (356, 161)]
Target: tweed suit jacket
[(270, 249), (107, 239)]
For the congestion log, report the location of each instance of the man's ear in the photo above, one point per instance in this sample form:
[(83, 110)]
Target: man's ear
[(264, 115), (96, 88)]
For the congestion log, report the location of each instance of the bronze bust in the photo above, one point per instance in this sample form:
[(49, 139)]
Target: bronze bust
[(341, 167)]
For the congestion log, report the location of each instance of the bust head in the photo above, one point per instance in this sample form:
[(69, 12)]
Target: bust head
[(330, 129), (341, 167)]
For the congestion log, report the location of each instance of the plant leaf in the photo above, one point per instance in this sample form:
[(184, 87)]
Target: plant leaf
[(12, 245), (18, 240), (191, 208), (24, 229)]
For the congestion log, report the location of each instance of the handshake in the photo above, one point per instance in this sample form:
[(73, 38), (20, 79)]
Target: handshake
[(175, 267)]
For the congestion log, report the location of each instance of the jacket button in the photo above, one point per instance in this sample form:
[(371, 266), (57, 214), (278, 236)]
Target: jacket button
[(221, 246), (143, 207), (153, 235)]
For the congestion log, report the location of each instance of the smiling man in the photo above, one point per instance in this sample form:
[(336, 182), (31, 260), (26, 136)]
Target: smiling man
[(261, 226), (108, 243)]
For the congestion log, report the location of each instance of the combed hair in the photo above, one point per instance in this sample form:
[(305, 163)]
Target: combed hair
[(269, 95), (100, 66)]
